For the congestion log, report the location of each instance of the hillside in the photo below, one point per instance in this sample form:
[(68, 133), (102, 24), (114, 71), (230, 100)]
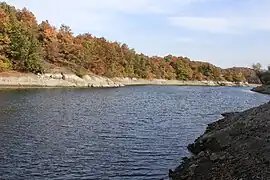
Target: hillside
[(27, 46)]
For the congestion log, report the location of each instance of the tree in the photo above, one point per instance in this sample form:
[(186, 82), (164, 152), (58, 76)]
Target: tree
[(257, 67), (182, 70), (26, 51), (48, 39), (27, 19), (5, 64)]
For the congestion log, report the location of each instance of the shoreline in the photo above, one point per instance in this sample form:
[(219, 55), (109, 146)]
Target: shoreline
[(263, 89), (234, 147), (93, 81)]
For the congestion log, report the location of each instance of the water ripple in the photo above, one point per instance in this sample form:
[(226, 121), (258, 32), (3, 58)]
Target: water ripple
[(131, 133)]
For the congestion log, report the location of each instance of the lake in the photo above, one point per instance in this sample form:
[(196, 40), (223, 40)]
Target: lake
[(136, 133)]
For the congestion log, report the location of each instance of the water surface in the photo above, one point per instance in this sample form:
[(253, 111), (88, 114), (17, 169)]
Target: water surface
[(126, 133)]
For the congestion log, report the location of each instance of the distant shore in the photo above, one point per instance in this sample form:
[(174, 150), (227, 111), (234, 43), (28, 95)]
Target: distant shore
[(134, 81), (20, 80)]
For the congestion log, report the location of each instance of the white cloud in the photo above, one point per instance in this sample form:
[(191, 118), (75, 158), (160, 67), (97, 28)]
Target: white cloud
[(98, 16), (199, 23), (222, 24), (140, 6)]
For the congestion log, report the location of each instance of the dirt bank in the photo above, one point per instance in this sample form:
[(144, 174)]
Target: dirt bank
[(233, 148)]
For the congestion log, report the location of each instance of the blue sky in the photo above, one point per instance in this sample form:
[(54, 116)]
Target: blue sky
[(224, 32)]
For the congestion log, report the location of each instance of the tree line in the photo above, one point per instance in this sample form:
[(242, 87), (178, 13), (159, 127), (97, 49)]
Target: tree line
[(26, 45)]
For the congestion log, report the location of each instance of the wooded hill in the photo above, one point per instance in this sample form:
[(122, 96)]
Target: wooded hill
[(27, 46)]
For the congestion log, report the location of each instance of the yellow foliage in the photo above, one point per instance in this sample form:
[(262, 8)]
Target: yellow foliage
[(5, 65)]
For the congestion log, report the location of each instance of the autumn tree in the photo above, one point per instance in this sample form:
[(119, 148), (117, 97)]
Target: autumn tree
[(48, 38)]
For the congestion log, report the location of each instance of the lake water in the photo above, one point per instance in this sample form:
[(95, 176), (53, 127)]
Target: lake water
[(136, 133)]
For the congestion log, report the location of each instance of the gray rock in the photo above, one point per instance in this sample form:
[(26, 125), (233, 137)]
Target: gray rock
[(229, 114), (214, 157), (192, 168), (201, 154), (222, 157)]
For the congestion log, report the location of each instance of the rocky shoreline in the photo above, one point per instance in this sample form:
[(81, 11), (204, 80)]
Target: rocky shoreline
[(233, 148), (135, 81), (56, 80), (72, 80), (264, 89)]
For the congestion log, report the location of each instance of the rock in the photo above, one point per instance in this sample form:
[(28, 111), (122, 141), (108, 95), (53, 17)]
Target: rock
[(192, 169), (204, 144), (229, 114), (170, 172), (222, 157), (214, 157), (63, 76), (201, 154), (264, 89)]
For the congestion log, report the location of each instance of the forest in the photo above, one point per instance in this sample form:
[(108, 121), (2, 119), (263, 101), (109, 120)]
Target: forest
[(26, 46)]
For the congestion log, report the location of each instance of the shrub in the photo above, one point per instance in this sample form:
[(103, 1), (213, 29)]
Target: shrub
[(5, 65)]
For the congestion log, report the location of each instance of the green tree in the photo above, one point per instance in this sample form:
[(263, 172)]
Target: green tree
[(182, 70), (257, 67), (26, 51)]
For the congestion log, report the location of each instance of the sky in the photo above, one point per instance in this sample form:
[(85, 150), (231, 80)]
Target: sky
[(226, 33)]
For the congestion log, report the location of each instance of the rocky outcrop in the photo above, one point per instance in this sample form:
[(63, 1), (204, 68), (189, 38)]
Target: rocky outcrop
[(265, 79), (233, 148), (264, 89)]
